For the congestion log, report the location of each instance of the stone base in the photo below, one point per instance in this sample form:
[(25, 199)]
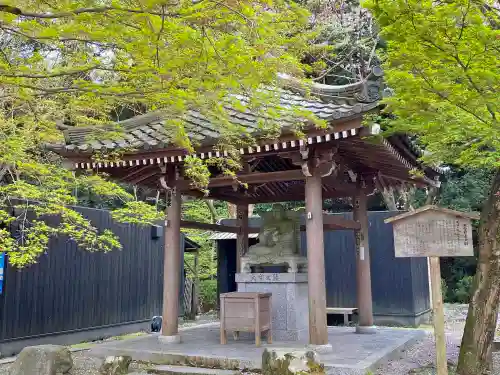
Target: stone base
[(176, 339), (289, 301), (366, 330), (394, 320)]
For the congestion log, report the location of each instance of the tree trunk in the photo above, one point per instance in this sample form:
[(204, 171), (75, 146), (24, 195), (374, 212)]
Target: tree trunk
[(431, 195), (213, 211), (477, 341), (407, 194), (232, 210), (389, 199)]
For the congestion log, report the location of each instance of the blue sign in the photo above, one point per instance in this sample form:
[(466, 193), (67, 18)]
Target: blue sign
[(2, 262)]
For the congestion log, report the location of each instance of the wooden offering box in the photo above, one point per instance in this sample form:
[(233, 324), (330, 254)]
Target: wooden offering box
[(245, 312)]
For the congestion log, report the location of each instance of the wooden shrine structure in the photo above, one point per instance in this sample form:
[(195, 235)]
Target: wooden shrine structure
[(334, 162)]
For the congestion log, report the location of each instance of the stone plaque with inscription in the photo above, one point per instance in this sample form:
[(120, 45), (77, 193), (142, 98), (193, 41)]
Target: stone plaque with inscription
[(290, 301), (433, 232)]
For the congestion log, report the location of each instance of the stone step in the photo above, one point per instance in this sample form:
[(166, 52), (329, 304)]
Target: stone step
[(184, 370)]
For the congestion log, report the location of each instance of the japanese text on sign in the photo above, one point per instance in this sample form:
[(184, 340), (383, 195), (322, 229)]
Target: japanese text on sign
[(433, 235)]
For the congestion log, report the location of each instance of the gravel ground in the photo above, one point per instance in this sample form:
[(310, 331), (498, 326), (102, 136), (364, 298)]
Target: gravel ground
[(420, 355), (423, 353)]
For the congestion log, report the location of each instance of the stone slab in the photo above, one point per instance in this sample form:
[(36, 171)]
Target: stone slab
[(184, 370), (352, 354)]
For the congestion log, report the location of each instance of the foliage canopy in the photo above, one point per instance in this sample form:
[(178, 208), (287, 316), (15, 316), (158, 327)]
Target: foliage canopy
[(89, 62), (442, 64)]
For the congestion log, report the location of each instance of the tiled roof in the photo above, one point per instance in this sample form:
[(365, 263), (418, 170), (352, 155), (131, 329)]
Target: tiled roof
[(148, 131)]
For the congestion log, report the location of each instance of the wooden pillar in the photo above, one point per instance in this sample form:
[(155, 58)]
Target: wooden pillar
[(318, 331), (172, 270), (363, 275), (242, 235), (438, 316)]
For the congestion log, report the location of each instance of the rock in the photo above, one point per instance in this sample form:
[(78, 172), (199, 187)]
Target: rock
[(42, 360), (286, 362), (116, 365)]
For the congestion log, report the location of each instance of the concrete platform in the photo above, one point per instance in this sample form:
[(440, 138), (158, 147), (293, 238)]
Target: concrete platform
[(352, 353)]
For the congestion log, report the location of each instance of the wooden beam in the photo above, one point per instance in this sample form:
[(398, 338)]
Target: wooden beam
[(214, 195), (227, 198), (137, 172), (299, 196), (214, 227), (417, 181), (335, 222), (327, 227), (330, 223), (248, 178), (137, 180)]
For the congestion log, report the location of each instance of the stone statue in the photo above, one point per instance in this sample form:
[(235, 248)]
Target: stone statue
[(279, 241)]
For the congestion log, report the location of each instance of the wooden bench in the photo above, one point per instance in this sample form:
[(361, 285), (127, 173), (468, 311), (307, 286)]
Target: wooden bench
[(346, 311), (245, 312)]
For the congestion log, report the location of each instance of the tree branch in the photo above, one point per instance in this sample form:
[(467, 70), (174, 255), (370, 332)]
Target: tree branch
[(57, 90), (433, 90), (19, 12), (461, 64), (159, 36), (40, 38), (48, 75), (475, 86)]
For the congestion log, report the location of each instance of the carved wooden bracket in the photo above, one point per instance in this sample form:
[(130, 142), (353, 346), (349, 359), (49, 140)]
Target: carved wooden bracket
[(309, 159), (169, 177)]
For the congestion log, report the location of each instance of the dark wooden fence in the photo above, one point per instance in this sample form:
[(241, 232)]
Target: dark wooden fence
[(400, 287), (70, 290)]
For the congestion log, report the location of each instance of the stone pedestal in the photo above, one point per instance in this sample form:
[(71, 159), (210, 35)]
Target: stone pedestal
[(293, 263), (289, 302)]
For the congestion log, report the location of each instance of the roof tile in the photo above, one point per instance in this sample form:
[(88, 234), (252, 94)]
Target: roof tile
[(148, 131)]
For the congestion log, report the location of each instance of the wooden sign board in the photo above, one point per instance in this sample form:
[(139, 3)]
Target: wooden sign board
[(433, 232)]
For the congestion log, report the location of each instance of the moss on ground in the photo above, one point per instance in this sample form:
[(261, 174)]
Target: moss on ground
[(89, 344)]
